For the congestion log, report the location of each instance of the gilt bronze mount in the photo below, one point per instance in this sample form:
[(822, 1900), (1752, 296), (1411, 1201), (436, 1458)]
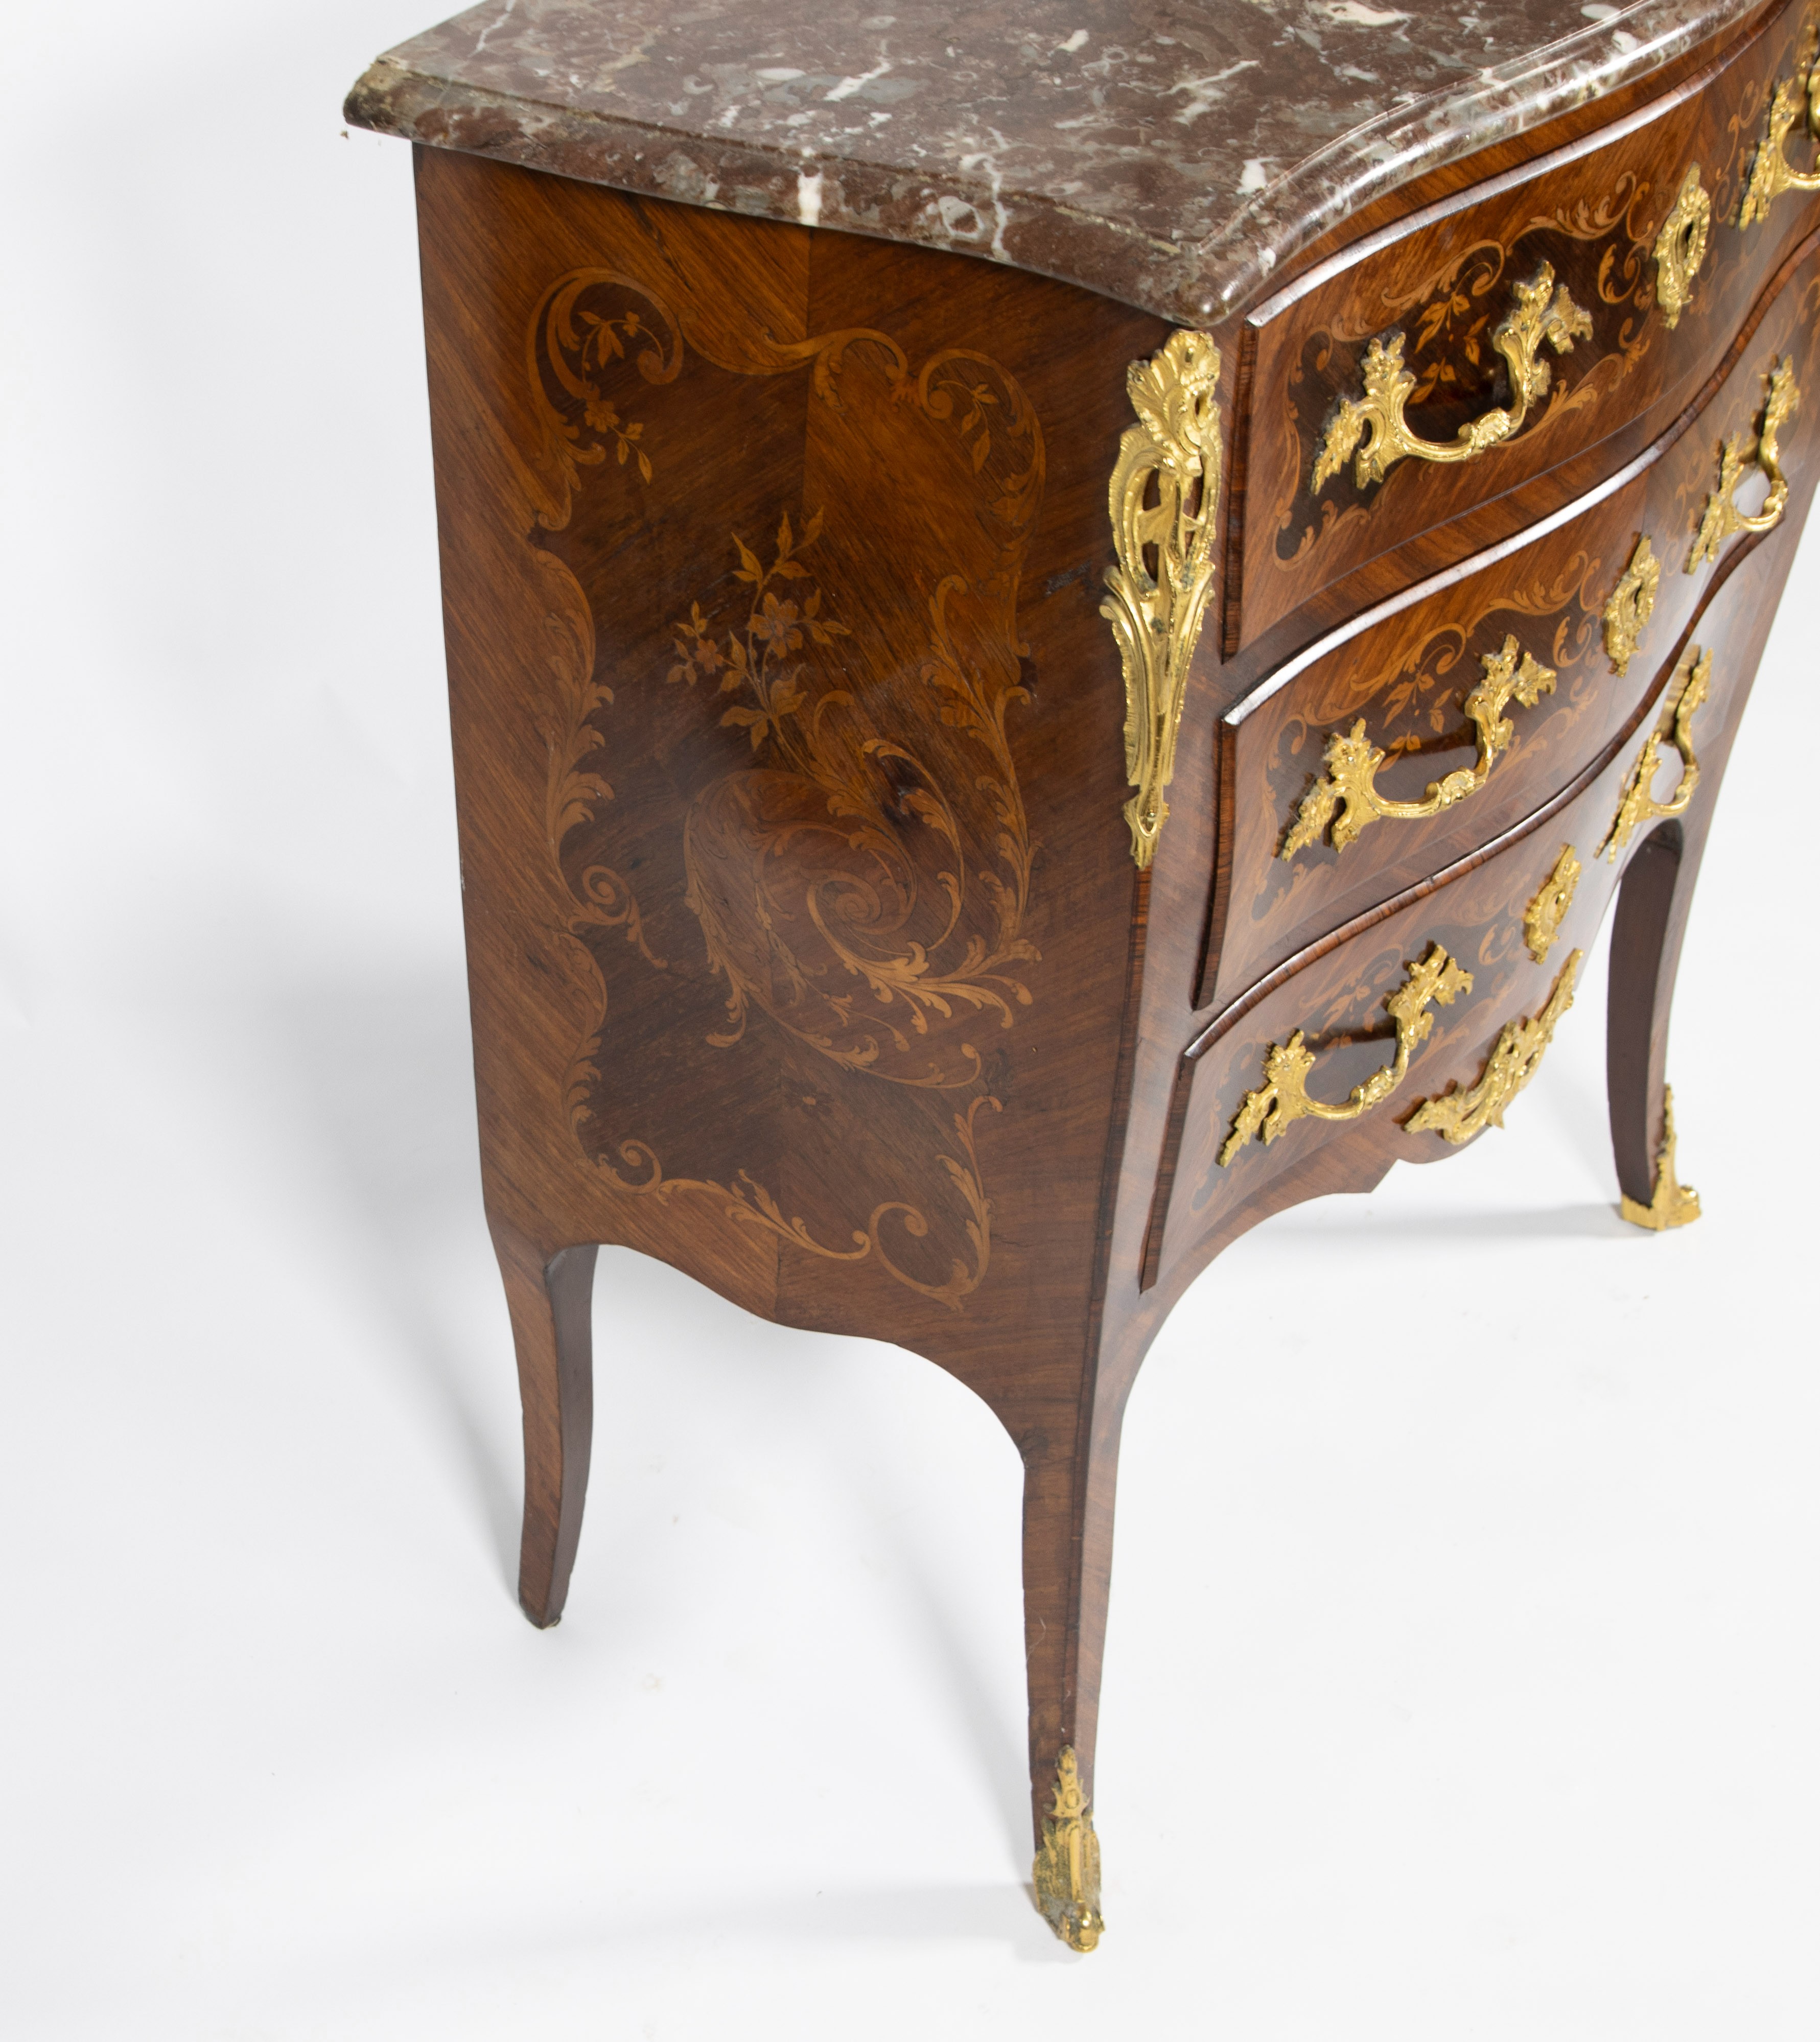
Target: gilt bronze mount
[(1156, 617), (1543, 313), (1673, 1203), (1066, 1874)]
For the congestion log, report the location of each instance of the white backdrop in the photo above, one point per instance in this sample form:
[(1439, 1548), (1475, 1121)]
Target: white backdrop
[(1461, 1676)]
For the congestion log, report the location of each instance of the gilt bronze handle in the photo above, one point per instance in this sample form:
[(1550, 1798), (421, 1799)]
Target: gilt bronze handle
[(1543, 313), (1283, 1095), (1771, 172), (1352, 762), (1636, 806), (1721, 516)]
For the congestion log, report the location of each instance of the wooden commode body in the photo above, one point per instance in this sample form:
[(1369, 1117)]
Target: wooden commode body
[(1020, 709)]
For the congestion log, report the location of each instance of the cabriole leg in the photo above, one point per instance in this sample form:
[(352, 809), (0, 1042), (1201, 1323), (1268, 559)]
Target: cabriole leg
[(549, 1301), (1651, 918), (1067, 1569)]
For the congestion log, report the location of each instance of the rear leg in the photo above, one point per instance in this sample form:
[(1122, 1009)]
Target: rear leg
[(1652, 903), (550, 1301)]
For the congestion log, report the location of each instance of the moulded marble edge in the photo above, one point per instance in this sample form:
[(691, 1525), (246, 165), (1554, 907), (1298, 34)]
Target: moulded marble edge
[(1194, 283)]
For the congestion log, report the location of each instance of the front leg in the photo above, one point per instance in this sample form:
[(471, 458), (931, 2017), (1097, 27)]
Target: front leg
[(1646, 933), (1068, 1485)]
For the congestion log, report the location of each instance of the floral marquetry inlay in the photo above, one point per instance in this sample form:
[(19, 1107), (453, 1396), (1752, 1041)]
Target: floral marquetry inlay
[(853, 854), (880, 1011)]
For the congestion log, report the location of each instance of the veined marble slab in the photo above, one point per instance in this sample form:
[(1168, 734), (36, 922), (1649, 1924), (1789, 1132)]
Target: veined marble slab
[(1171, 153)]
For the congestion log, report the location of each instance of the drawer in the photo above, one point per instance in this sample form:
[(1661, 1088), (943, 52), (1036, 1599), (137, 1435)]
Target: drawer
[(1409, 325), (1469, 702), (1515, 924)]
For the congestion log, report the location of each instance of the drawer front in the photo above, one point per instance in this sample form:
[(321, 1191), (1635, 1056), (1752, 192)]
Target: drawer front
[(1487, 949), (1397, 747), (1421, 330)]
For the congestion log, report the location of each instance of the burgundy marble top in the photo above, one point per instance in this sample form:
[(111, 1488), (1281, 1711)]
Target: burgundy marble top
[(1167, 152)]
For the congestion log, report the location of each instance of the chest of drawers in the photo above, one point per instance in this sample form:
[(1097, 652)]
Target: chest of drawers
[(1049, 657)]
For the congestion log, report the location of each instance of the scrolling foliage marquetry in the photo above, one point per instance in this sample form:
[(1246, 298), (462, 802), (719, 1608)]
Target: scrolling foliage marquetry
[(863, 887), (736, 836), (1447, 351)]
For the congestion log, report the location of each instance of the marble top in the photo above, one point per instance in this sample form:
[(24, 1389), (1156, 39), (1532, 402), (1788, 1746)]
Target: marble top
[(1170, 153)]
